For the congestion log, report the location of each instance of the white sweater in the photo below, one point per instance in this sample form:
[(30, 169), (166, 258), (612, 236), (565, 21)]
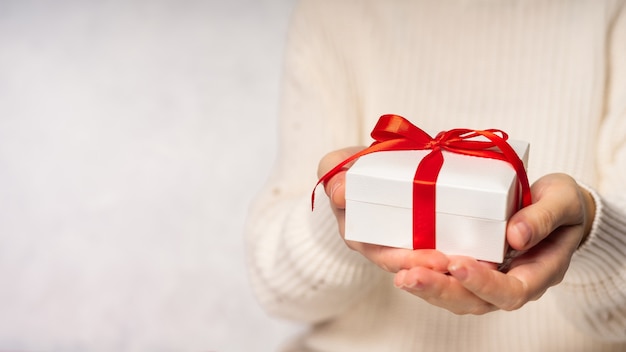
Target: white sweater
[(551, 72)]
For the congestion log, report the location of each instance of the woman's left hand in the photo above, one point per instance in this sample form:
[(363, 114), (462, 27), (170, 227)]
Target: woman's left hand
[(547, 233)]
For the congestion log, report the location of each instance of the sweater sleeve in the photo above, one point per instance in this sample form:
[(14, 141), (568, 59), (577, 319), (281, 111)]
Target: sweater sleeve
[(299, 266), (594, 290)]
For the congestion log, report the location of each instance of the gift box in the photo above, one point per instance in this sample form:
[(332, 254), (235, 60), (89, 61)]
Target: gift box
[(475, 196)]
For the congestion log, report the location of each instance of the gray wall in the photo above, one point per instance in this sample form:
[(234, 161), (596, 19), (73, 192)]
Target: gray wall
[(133, 134)]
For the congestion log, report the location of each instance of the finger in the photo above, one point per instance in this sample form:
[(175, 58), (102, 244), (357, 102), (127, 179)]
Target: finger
[(500, 290), (331, 159), (556, 203), (340, 215), (335, 187), (545, 265), (530, 275), (396, 259), (441, 290)]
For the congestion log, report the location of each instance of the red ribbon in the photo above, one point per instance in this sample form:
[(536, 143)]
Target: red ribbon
[(393, 132)]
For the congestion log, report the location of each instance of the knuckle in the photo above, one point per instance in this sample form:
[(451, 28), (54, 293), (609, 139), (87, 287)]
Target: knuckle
[(475, 309), (483, 309), (517, 301), (520, 300), (326, 163), (514, 304), (547, 220)]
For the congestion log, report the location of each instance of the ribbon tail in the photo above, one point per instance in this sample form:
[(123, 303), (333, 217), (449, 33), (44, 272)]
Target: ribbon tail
[(379, 146), (333, 172)]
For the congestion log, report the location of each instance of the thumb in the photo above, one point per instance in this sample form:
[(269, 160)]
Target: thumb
[(555, 203)]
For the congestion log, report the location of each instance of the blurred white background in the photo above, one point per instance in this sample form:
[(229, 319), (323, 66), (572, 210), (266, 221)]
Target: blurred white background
[(133, 135)]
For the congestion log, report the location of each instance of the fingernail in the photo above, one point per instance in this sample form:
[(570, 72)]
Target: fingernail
[(399, 279), (413, 285), (401, 283), (458, 271)]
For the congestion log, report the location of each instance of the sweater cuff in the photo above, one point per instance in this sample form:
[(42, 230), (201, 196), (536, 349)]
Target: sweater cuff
[(601, 256)]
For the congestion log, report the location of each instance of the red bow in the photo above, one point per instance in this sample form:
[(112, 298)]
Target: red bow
[(393, 132)]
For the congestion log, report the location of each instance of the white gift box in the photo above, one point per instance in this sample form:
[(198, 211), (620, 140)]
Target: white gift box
[(474, 199)]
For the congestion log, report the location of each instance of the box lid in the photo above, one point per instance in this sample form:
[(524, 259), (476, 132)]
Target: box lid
[(466, 185)]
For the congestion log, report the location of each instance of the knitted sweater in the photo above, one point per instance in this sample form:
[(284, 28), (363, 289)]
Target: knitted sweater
[(550, 72)]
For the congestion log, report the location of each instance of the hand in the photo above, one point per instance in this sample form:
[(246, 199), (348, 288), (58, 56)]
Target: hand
[(547, 233), (390, 259)]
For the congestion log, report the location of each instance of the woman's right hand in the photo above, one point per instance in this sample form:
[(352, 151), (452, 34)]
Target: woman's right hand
[(388, 258)]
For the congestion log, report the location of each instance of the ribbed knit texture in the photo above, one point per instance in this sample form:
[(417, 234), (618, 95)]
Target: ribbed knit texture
[(546, 71)]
